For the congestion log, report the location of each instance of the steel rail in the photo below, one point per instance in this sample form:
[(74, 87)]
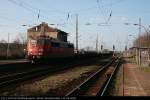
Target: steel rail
[(9, 65), (13, 75), (14, 78), (17, 77), (75, 90), (108, 82)]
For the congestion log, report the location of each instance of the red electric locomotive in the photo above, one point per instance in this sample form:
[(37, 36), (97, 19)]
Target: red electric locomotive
[(47, 47)]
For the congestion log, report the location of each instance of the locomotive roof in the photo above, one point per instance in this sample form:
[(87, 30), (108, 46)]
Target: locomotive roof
[(47, 28)]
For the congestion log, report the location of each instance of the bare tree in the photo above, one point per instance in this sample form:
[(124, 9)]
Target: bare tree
[(19, 45), (3, 48), (21, 38), (143, 40), (3, 41)]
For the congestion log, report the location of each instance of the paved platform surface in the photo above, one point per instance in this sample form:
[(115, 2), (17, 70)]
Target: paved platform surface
[(135, 80)]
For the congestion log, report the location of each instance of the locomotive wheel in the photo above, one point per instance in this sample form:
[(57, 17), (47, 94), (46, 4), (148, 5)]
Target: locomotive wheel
[(32, 61)]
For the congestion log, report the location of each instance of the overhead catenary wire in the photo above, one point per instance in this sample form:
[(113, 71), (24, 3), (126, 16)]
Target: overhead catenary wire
[(101, 11), (110, 15), (36, 10), (22, 5), (29, 8)]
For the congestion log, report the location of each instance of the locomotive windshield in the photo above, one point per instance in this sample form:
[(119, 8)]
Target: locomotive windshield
[(33, 42)]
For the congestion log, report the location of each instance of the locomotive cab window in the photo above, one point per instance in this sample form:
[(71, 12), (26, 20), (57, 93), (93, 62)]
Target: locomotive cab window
[(64, 45), (54, 44), (47, 41), (70, 45), (40, 42), (33, 41)]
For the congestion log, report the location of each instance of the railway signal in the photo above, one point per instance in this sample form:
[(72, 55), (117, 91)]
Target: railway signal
[(125, 48), (113, 47), (101, 47)]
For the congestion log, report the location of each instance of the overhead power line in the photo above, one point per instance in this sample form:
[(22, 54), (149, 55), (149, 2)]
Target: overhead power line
[(29, 8), (101, 10), (22, 5)]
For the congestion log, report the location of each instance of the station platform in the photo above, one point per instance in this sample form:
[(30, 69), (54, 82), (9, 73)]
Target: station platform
[(135, 80)]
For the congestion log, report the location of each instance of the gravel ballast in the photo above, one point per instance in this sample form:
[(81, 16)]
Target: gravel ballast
[(56, 84)]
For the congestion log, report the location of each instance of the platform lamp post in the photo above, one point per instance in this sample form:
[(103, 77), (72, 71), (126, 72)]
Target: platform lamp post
[(126, 46)]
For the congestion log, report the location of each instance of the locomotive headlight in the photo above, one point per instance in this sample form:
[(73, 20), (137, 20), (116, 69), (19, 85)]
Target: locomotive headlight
[(41, 50), (40, 53), (30, 50)]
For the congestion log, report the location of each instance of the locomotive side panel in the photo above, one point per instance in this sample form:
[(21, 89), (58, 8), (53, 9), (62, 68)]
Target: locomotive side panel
[(46, 48), (57, 50)]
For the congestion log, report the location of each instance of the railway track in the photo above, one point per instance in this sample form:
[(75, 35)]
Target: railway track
[(17, 78), (19, 66), (10, 68), (10, 79), (14, 67), (97, 84)]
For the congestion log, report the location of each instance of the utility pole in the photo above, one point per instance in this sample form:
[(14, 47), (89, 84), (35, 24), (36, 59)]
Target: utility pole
[(97, 43), (77, 33), (139, 32), (8, 46), (139, 41), (43, 29), (126, 46)]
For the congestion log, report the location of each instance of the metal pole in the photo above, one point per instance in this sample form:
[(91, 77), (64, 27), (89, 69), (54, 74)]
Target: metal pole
[(8, 46), (77, 32), (97, 43), (137, 55), (148, 47), (139, 41), (126, 48), (123, 79)]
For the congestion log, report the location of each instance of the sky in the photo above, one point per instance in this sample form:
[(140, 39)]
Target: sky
[(102, 18)]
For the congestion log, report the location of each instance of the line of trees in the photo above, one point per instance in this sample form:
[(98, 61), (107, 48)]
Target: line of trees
[(142, 41), (15, 49)]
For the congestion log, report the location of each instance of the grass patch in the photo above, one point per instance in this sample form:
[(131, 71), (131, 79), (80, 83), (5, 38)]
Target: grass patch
[(117, 82)]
